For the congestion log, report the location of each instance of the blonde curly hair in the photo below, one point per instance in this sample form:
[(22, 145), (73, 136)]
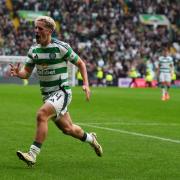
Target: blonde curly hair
[(49, 22)]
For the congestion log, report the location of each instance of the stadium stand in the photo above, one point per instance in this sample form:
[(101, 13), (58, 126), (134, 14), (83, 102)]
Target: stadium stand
[(106, 33)]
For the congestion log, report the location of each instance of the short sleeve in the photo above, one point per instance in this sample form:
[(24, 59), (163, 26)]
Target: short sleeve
[(71, 56), (29, 61)]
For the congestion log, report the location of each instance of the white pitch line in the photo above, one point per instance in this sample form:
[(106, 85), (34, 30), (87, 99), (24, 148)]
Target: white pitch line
[(133, 133), (133, 124)]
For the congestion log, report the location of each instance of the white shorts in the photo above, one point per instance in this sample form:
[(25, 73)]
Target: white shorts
[(165, 77), (59, 101)]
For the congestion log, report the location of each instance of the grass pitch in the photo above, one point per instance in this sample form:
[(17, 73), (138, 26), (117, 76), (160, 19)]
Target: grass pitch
[(139, 133)]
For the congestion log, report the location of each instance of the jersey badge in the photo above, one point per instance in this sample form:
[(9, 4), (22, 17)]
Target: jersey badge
[(52, 55)]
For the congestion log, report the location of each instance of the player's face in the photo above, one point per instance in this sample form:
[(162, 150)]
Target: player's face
[(42, 33), (165, 52)]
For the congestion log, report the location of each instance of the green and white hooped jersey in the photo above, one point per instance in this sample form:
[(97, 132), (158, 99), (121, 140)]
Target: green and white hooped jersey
[(165, 63), (51, 64)]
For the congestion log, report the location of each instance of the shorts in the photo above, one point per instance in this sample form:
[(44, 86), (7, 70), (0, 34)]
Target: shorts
[(59, 100), (165, 77)]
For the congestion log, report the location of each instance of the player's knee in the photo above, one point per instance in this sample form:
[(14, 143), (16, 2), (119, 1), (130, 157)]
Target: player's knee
[(41, 115)]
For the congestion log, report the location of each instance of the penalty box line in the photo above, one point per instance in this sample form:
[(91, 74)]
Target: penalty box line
[(132, 133)]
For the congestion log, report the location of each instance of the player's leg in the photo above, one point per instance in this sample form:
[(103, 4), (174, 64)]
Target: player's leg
[(44, 113), (64, 123), (163, 85), (163, 91), (168, 85)]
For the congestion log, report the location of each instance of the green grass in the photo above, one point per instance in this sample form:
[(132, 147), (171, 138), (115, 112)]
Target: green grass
[(129, 123)]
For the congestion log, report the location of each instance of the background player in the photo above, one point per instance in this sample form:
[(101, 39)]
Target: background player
[(165, 72)]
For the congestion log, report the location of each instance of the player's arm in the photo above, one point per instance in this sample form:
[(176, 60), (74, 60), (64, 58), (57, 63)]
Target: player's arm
[(22, 73), (172, 69), (76, 60), (157, 69), (82, 68)]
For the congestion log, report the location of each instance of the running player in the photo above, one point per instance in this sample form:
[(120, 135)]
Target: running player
[(165, 72), (50, 58)]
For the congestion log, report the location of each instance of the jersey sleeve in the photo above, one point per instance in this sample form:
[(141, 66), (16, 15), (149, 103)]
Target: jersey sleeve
[(159, 62), (172, 64), (29, 61), (71, 55), (171, 60)]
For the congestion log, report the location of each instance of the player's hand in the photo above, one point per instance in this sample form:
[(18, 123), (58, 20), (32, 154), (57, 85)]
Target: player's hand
[(14, 69), (86, 89)]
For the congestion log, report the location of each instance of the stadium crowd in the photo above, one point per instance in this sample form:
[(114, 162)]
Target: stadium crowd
[(105, 33)]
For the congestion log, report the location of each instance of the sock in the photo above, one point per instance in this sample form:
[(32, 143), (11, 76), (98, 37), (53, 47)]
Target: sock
[(37, 144), (84, 137), (87, 137), (163, 90), (167, 88), (34, 151)]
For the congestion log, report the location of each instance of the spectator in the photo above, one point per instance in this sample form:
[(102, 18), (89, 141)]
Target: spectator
[(106, 30)]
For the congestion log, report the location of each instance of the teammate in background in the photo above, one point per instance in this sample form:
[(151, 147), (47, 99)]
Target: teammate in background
[(165, 72), (50, 57)]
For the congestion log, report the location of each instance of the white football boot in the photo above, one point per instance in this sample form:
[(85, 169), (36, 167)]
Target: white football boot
[(27, 158), (97, 147)]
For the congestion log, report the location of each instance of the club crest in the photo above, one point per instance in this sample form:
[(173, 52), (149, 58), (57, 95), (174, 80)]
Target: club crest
[(52, 55)]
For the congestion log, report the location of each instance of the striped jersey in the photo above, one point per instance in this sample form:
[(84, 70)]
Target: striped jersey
[(51, 64), (165, 63)]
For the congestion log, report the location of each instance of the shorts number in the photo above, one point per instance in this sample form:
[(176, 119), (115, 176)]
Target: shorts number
[(55, 97)]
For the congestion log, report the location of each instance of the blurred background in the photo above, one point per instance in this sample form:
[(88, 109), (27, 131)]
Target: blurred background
[(115, 38)]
